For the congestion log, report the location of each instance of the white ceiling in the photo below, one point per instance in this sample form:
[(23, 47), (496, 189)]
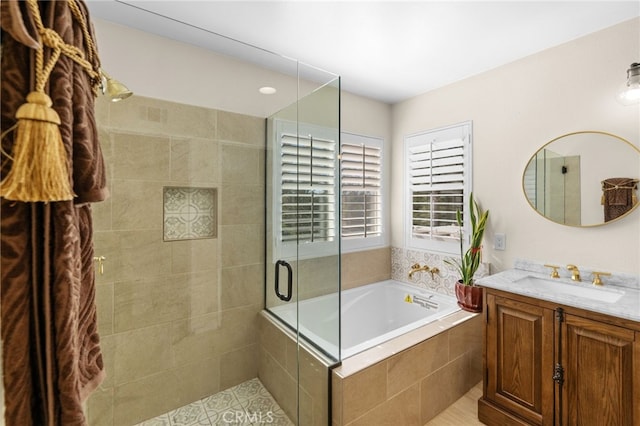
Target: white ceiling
[(386, 50)]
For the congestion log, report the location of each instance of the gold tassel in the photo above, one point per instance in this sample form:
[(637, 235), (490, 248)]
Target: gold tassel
[(39, 171)]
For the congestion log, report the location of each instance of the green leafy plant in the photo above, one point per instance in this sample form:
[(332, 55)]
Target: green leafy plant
[(470, 261)]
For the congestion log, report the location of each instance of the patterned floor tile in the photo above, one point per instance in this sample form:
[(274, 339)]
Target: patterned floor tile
[(249, 389), (220, 401), (190, 415), (247, 404), (261, 406), (227, 416)]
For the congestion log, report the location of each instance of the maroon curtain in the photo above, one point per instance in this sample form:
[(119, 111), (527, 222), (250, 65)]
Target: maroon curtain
[(51, 352)]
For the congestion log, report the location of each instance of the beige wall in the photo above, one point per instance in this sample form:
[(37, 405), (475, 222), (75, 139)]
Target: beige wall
[(516, 109), (161, 68)]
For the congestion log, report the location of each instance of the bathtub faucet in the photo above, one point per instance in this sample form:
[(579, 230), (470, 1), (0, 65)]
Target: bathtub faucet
[(417, 268)]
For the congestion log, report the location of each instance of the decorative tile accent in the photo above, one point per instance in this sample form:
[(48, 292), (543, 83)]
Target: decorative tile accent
[(190, 213), (443, 282), (246, 404)]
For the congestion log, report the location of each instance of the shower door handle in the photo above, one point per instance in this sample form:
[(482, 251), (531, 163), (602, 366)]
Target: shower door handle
[(281, 296)]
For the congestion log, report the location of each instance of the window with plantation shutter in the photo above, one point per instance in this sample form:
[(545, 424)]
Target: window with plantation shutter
[(308, 188), (306, 181), (438, 167), (361, 189)]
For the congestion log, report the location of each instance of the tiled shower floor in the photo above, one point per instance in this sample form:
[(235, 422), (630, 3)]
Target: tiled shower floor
[(247, 404)]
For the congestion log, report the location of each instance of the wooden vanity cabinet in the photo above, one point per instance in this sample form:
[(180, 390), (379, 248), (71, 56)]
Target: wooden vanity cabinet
[(548, 364), (598, 373), (518, 356)]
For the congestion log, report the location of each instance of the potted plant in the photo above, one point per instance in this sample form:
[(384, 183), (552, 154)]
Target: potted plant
[(470, 296)]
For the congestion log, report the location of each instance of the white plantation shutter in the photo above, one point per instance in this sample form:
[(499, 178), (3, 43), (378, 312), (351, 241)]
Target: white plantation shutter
[(308, 181), (361, 178), (438, 175)]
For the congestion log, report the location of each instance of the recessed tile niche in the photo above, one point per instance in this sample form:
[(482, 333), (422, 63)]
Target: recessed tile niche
[(189, 213)]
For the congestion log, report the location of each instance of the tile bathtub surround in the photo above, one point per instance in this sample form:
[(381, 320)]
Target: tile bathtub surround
[(365, 267), (443, 282), (178, 319), (247, 404), (291, 374), (415, 383)]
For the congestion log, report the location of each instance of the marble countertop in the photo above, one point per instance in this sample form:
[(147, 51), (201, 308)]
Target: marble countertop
[(628, 306)]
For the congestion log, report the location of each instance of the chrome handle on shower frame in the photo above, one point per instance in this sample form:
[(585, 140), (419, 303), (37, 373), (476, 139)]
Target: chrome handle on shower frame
[(281, 296)]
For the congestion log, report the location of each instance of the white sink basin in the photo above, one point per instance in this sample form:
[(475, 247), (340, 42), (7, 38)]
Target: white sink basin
[(582, 290)]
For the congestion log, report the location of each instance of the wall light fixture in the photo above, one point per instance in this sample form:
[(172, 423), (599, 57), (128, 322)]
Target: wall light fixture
[(630, 92)]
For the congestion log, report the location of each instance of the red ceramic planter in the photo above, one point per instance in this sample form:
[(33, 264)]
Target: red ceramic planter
[(469, 297)]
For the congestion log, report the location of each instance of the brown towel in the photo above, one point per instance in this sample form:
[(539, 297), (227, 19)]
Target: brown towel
[(51, 352), (618, 191), (618, 195)]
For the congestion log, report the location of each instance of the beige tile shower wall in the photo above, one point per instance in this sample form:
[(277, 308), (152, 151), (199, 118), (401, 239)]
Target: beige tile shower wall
[(178, 320), (412, 386)]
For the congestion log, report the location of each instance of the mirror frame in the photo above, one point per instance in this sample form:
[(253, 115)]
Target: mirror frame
[(524, 193)]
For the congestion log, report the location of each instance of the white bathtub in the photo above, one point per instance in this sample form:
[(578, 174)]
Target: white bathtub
[(371, 315)]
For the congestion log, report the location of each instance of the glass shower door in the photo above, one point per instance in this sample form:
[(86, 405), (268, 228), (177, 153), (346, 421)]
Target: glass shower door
[(303, 242)]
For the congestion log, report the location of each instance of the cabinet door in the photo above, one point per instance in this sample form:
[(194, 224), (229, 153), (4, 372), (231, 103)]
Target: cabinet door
[(519, 359), (598, 362)]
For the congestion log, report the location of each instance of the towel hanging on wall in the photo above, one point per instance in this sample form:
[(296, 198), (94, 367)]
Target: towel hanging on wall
[(618, 196)]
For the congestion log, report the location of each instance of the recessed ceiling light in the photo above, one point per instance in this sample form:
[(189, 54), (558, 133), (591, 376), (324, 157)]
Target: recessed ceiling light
[(266, 90)]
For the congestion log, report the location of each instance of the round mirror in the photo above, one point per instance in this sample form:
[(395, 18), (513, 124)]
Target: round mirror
[(583, 179)]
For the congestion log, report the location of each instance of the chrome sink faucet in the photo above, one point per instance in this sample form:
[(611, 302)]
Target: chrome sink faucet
[(575, 273)]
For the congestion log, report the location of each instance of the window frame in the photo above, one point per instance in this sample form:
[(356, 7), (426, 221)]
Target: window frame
[(462, 131), (352, 244)]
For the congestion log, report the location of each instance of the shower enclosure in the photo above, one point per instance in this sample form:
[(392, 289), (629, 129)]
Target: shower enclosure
[(302, 244)]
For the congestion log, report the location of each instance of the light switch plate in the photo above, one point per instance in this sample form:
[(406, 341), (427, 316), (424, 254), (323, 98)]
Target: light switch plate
[(499, 241)]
